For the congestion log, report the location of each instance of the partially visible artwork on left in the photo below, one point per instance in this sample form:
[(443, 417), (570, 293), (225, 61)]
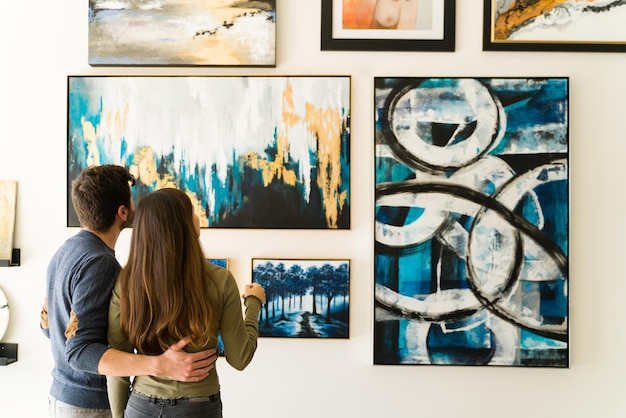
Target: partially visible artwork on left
[(305, 298), (220, 346), (220, 262), (8, 201), (267, 152), (182, 32)]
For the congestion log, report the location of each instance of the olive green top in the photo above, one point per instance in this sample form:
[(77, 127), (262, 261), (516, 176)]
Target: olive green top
[(239, 337)]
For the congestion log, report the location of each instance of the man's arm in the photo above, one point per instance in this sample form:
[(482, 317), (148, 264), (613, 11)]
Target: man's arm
[(174, 364)]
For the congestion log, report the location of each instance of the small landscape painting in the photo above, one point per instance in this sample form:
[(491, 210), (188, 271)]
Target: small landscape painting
[(305, 298)]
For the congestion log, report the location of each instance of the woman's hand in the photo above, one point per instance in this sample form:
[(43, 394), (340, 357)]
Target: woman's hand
[(255, 290)]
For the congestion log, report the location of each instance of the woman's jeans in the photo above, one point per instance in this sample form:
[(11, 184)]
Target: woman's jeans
[(140, 406), (60, 409)]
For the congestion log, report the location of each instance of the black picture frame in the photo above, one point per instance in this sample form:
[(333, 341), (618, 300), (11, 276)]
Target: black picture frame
[(582, 45), (330, 43), (507, 114), (316, 202)]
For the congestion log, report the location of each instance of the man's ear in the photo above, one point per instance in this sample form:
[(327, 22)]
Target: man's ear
[(122, 212)]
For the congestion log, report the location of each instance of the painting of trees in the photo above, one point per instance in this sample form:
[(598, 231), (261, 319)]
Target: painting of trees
[(305, 298)]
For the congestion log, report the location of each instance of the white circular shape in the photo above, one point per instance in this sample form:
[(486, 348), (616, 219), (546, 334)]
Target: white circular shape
[(4, 314), (466, 104)]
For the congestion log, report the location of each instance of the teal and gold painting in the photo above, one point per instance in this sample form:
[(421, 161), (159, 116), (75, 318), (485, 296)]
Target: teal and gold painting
[(471, 221), (251, 152)]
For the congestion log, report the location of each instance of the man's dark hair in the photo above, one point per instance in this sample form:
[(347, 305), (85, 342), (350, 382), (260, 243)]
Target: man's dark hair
[(98, 192)]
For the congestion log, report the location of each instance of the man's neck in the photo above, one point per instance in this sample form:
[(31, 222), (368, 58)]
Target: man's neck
[(109, 237)]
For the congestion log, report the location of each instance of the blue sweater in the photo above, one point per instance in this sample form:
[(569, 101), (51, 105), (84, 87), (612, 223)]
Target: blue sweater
[(80, 278)]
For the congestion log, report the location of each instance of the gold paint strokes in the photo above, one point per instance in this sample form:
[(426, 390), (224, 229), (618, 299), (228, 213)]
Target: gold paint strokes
[(144, 169), (276, 169), (271, 170), (89, 133), (143, 166), (326, 126), (521, 11), (116, 119)]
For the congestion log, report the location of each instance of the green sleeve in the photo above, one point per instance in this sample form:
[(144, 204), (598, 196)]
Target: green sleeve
[(118, 388), (239, 334)]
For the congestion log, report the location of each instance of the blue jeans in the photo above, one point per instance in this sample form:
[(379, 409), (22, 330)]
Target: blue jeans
[(140, 406), (60, 409)]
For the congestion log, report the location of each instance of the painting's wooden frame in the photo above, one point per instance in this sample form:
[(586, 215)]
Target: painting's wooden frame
[(582, 45), (322, 321), (385, 43)]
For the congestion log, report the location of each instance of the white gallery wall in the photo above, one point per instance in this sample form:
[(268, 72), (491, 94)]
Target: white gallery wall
[(43, 41)]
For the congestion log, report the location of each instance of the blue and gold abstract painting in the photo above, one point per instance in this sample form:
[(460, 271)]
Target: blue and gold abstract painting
[(251, 152), (471, 221)]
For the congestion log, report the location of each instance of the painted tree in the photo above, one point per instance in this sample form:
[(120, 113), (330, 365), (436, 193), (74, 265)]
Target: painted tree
[(314, 279), (262, 275), (328, 274), (343, 289), (280, 283), (295, 282)]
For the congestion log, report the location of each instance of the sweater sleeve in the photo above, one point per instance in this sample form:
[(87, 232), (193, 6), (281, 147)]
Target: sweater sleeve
[(118, 388), (91, 293), (239, 334)]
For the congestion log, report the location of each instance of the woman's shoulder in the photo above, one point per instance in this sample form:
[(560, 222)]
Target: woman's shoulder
[(215, 269), (218, 274), (220, 281)]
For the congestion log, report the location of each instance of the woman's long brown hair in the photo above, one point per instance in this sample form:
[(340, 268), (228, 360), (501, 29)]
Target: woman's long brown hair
[(164, 297)]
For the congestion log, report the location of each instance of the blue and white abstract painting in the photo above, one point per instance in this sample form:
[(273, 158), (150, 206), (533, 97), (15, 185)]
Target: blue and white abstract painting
[(250, 152), (472, 220)]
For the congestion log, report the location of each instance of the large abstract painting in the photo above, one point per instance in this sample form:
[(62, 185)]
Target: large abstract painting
[(182, 32), (305, 298), (471, 221), (251, 152)]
